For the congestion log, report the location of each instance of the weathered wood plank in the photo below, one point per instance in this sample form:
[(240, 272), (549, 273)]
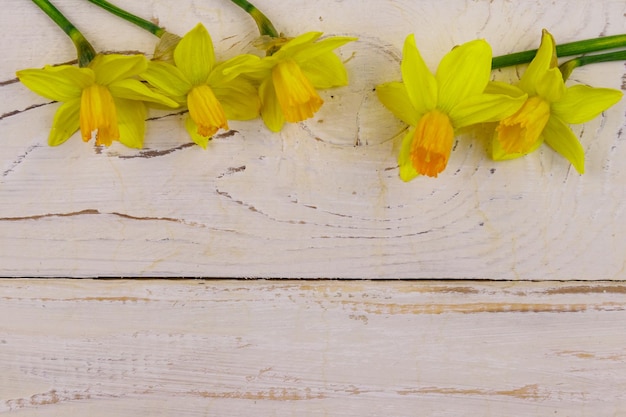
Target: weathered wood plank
[(322, 198), (229, 348)]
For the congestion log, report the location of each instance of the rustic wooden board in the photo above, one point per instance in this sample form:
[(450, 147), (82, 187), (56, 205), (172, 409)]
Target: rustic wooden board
[(311, 348), (322, 198)]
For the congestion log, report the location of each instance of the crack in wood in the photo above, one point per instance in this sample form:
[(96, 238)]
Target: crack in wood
[(19, 160), (9, 82), (255, 210), (153, 153), (232, 170), (16, 112), (89, 212), (180, 113)]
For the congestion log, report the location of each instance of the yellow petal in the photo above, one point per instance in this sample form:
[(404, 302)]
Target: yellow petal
[(543, 61), (498, 87), (582, 103), (297, 97), (420, 83), (463, 72), (322, 47), (270, 107), (135, 90), (206, 111), (166, 78), (407, 171), (483, 108), (131, 116), (234, 67), (393, 95), (192, 129), (257, 70), (115, 67), (98, 114), (66, 122), (325, 71), (292, 46), (62, 83), (551, 86), (561, 138), (195, 56), (239, 99)]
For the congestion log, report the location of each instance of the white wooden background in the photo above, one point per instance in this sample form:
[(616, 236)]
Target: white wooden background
[(322, 199), (314, 348)]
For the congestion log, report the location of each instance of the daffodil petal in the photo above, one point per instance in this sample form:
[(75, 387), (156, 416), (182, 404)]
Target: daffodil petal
[(271, 112), (324, 46), (135, 90), (561, 138), (407, 171), (483, 108), (543, 61), (254, 69), (551, 86), (582, 103), (234, 67), (131, 119), (167, 78), (420, 83), (192, 129), (393, 95), (296, 44), (114, 67), (325, 71), (239, 99), (62, 83), (463, 72), (66, 122), (195, 56), (498, 87)]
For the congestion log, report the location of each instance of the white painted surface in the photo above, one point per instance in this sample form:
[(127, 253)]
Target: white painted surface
[(307, 202), (324, 348)]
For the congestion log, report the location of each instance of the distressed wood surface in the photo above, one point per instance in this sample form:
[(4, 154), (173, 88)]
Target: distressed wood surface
[(311, 348), (322, 198)]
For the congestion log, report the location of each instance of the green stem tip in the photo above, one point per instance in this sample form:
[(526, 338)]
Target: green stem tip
[(84, 50), (136, 20), (564, 49), (569, 66), (263, 23)]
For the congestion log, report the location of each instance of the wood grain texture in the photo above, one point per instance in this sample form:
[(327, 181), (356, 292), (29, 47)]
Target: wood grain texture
[(322, 198), (311, 348)]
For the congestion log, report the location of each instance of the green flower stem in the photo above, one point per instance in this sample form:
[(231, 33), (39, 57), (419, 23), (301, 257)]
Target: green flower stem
[(263, 23), (142, 23), (565, 49), (569, 66), (84, 50)]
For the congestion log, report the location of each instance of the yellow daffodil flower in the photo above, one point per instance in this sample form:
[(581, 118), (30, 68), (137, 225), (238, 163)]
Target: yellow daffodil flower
[(550, 107), (198, 82), (435, 106), (291, 74), (104, 99)]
